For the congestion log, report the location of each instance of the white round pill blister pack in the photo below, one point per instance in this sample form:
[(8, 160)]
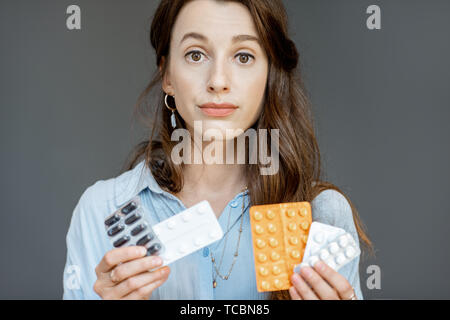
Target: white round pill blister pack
[(333, 245), (188, 231)]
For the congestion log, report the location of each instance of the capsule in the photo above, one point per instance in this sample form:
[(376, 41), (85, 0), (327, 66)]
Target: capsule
[(138, 229), (153, 249), (121, 241), (129, 207), (144, 240), (115, 230), (133, 218), (112, 220)]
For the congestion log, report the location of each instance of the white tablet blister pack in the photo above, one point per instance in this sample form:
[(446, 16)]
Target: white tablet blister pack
[(171, 239), (333, 245)]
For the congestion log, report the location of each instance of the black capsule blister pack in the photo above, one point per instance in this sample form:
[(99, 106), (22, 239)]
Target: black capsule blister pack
[(128, 226)]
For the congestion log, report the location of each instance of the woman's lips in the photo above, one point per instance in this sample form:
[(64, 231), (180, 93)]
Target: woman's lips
[(218, 110)]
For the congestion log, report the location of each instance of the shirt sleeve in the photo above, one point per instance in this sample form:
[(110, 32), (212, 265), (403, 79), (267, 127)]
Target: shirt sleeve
[(81, 258), (331, 207)]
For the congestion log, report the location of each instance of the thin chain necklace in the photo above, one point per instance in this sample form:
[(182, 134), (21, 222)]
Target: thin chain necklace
[(225, 243)]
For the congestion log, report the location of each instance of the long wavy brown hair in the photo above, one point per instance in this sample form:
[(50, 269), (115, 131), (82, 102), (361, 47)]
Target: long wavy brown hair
[(286, 107)]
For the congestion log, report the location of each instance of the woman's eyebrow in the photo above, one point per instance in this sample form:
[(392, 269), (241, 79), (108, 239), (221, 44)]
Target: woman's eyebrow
[(238, 38)]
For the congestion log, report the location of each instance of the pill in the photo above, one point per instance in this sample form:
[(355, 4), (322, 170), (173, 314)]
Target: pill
[(258, 215), (324, 254), (129, 207), (319, 237), (115, 230), (138, 229), (154, 248), (272, 228), (290, 213), (292, 226), (260, 243), (303, 212), (133, 218), (270, 214), (263, 271), (201, 210), (273, 242), (331, 263), (265, 285), (110, 221), (278, 283), (333, 247), (275, 256), (145, 239), (171, 224), (259, 229), (304, 225), (295, 254), (187, 216), (343, 241), (304, 238), (121, 241), (350, 252), (340, 259), (276, 270), (262, 257), (293, 240)]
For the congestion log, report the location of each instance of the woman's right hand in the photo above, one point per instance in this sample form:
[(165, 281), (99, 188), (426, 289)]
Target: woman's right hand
[(123, 274)]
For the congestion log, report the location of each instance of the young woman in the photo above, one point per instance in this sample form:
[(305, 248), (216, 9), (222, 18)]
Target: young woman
[(226, 65)]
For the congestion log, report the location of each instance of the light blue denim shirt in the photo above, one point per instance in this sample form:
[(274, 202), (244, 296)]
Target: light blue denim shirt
[(192, 276)]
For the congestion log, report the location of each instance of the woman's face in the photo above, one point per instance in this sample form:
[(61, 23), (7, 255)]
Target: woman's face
[(208, 64)]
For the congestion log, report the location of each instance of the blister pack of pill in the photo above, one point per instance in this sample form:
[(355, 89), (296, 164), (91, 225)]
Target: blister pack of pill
[(128, 226), (333, 245), (171, 239), (279, 235)]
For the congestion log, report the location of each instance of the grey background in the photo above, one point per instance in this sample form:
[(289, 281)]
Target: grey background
[(381, 104)]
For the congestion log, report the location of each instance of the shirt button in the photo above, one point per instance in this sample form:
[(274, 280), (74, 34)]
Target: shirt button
[(234, 204), (205, 252)]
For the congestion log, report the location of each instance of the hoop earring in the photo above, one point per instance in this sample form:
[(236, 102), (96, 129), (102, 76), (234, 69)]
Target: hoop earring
[(172, 117)]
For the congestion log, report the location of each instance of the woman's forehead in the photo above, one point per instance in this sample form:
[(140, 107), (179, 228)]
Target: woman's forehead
[(213, 20)]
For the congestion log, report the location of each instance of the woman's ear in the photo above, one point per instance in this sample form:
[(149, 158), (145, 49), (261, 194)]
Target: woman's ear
[(165, 78)]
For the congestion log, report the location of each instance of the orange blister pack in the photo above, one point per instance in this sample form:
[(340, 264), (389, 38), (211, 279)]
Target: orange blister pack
[(279, 235)]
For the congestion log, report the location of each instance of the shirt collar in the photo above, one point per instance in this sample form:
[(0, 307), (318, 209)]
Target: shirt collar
[(132, 182)]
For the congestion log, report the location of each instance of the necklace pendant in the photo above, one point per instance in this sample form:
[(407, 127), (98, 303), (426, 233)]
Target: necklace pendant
[(214, 284)]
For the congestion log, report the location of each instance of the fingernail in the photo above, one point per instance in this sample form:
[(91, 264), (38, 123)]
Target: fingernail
[(295, 278), (306, 271), (143, 251), (319, 265), (157, 260)]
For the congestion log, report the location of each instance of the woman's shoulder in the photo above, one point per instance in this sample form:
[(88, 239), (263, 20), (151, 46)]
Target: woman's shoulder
[(331, 207), (109, 194)]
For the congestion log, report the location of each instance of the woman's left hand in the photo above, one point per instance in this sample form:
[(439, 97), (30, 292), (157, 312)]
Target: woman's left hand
[(320, 283)]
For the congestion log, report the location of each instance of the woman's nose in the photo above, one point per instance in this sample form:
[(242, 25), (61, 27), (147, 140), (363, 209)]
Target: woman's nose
[(219, 77)]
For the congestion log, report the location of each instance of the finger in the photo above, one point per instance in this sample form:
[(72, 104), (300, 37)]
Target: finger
[(115, 256), (318, 284), (294, 294), (302, 287), (145, 291), (131, 284), (133, 267), (335, 279)]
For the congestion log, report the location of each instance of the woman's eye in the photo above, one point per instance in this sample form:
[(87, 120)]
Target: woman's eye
[(197, 55), (246, 55)]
